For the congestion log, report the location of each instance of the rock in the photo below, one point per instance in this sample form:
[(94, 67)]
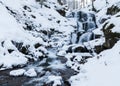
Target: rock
[(55, 79), (37, 45), (80, 49), (27, 8), (110, 37), (102, 20), (113, 9), (24, 49), (30, 73), (99, 48), (10, 50), (69, 50), (62, 12), (18, 72), (20, 46)]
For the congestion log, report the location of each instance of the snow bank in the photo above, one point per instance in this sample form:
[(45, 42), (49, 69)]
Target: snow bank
[(25, 28), (57, 80), (100, 72)]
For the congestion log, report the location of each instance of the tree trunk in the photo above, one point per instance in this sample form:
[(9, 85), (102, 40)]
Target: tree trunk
[(93, 8)]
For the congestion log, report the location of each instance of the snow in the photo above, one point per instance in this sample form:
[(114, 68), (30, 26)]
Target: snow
[(30, 73), (14, 59), (18, 72), (115, 21), (100, 72), (93, 43), (56, 79), (61, 53), (100, 4)]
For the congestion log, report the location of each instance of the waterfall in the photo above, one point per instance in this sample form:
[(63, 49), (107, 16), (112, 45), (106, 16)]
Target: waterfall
[(86, 23), (85, 37)]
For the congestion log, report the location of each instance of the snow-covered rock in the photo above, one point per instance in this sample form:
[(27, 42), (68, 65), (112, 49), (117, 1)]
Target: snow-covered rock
[(18, 72), (61, 53), (30, 73), (56, 79)]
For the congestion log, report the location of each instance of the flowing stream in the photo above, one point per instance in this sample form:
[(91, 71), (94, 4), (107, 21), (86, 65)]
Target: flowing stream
[(52, 65)]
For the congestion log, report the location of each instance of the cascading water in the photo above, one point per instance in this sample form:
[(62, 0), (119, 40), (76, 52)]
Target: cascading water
[(86, 23)]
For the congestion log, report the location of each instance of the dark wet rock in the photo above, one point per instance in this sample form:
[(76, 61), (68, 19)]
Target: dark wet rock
[(80, 49), (82, 17), (17, 44), (66, 83), (22, 48), (69, 50), (102, 20), (25, 50), (10, 50), (58, 21), (99, 48), (83, 61), (110, 37), (27, 8), (37, 45), (44, 32), (28, 27), (97, 36), (6, 80), (113, 9), (49, 84), (33, 16), (1, 65), (64, 73), (60, 2), (61, 12)]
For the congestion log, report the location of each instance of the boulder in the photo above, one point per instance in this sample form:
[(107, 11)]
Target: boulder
[(113, 9), (110, 37)]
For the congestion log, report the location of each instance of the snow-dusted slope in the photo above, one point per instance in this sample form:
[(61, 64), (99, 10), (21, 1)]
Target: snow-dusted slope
[(25, 29), (103, 69)]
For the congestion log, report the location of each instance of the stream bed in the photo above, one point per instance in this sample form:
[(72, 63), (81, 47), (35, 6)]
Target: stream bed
[(51, 66)]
